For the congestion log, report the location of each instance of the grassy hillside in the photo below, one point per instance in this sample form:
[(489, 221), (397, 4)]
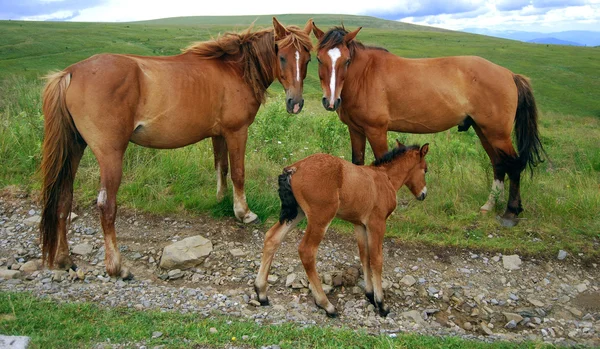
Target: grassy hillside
[(561, 202)]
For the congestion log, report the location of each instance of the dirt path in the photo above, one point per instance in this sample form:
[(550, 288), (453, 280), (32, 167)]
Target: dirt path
[(442, 292)]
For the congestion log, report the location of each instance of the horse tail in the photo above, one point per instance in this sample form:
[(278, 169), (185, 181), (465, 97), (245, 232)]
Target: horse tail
[(60, 137), (289, 205), (527, 135)]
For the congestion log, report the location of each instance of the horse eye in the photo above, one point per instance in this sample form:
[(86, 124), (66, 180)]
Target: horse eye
[(282, 59), (347, 62)]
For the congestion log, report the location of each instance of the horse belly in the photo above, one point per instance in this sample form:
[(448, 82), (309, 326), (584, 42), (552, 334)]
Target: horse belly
[(173, 132)]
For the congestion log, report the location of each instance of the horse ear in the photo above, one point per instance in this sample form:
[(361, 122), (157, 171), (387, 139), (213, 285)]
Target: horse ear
[(424, 150), (308, 27), (350, 36), (280, 31), (318, 32)]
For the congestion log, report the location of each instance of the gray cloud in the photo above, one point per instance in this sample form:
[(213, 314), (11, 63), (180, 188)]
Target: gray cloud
[(11, 9), (408, 8), (511, 5)]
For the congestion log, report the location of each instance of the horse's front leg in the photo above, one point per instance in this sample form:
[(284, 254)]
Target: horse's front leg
[(221, 165), (358, 141), (377, 137), (236, 144)]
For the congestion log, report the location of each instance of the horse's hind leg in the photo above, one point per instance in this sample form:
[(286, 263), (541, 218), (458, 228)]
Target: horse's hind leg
[(363, 248), (376, 230), (273, 240), (221, 165), (62, 259), (308, 253), (111, 170), (499, 172)]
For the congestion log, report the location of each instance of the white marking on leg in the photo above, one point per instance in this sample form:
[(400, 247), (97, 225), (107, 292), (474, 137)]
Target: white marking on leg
[(496, 193), (102, 197), (334, 53), (297, 66), (219, 181)]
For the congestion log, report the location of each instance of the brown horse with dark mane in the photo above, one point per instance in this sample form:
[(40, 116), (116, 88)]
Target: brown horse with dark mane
[(374, 91), (213, 89), (322, 187)]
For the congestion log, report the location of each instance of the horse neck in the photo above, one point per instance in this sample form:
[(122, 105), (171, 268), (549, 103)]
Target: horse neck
[(264, 60), (398, 169), (358, 71)]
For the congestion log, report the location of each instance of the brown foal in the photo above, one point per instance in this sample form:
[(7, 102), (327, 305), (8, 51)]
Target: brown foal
[(321, 187), (213, 89)]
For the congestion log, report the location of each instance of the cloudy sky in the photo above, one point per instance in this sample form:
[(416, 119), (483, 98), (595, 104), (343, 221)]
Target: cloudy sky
[(527, 15)]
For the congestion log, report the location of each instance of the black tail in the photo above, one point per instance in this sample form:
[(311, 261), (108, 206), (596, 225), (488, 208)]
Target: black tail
[(526, 126), (289, 205)]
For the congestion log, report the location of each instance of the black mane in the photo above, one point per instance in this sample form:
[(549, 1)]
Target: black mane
[(394, 153), (335, 37)]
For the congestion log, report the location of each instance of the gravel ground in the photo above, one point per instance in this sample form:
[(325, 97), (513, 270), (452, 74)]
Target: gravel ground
[(473, 295)]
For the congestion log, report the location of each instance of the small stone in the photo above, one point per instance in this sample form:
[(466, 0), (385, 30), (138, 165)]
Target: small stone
[(186, 253), (136, 256), (415, 315), (272, 278), (535, 302), (408, 280), (513, 317), (213, 330), (238, 252), (80, 274), (289, 280), (14, 342), (30, 266), (254, 303), (338, 280), (175, 274), (511, 325), (580, 288), (156, 334), (562, 255), (32, 221), (59, 275), (468, 326), (486, 329), (9, 274), (73, 216), (327, 288), (82, 249), (576, 312), (512, 262)]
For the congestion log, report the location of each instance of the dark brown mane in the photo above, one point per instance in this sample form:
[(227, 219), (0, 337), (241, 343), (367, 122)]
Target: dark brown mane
[(252, 52), (335, 37), (393, 154)]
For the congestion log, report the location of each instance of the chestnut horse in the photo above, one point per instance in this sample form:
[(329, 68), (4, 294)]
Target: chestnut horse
[(321, 187), (213, 89), (374, 91)]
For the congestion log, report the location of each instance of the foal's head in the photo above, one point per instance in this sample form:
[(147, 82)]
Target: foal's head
[(334, 53), (292, 46), (413, 169)]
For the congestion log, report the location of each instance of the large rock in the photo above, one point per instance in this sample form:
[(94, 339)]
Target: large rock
[(408, 280), (186, 253), (32, 221), (14, 342), (30, 266), (9, 274), (512, 262), (82, 249)]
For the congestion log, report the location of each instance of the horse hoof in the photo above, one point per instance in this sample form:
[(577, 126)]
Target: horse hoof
[(371, 297), (126, 274), (251, 218), (507, 222), (264, 303), (332, 315), (383, 312)]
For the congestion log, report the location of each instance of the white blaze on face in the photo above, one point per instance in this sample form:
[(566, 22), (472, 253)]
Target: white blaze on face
[(334, 53), (297, 66)]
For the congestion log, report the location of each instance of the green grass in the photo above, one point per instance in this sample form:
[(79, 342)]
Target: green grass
[(81, 325), (561, 202)]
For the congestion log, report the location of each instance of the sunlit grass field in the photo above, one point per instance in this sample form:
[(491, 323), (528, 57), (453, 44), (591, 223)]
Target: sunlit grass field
[(561, 201)]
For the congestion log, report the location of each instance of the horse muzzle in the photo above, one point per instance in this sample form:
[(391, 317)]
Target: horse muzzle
[(329, 106), (294, 107), (423, 194)]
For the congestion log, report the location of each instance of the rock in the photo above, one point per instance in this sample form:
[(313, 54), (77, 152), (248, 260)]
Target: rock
[(272, 278), (350, 276), (289, 280), (32, 221), (512, 324), (467, 326), (254, 303), (408, 280), (136, 256), (327, 288), (338, 280), (9, 274), (30, 266), (238, 252), (512, 316), (186, 253), (535, 302), (415, 315), (486, 329), (82, 249), (213, 330), (73, 216), (581, 288), (327, 279), (576, 312), (175, 274), (562, 255), (80, 274), (386, 284), (156, 334), (59, 275), (14, 342), (512, 262)]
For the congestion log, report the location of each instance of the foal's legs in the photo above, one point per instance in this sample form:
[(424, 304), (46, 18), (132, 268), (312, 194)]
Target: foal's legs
[(62, 259), (363, 248), (111, 169), (376, 230), (318, 222), (273, 240), (499, 173), (221, 165), (236, 144)]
